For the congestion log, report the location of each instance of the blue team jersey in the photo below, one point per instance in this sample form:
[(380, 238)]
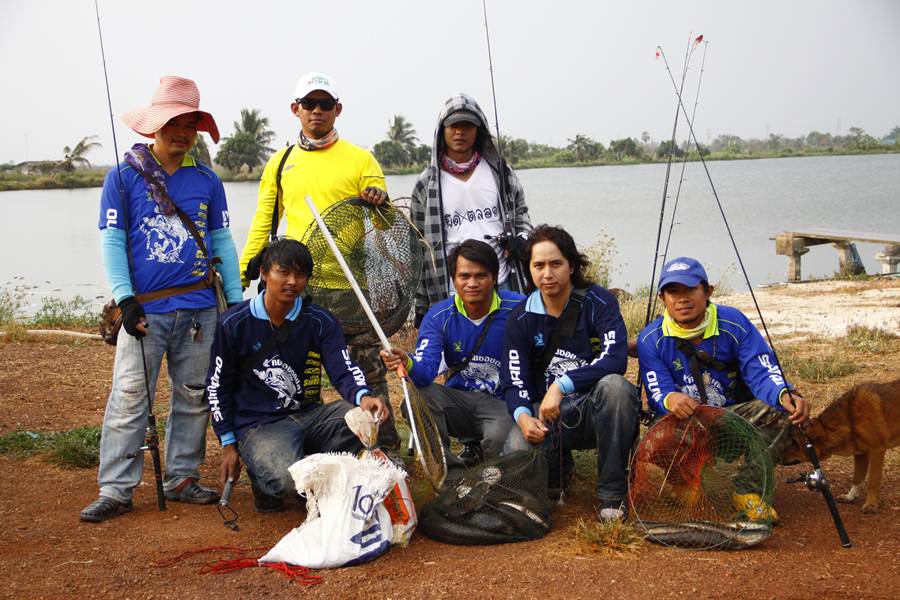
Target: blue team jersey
[(164, 253), (732, 340), (598, 349), (448, 334), (284, 381)]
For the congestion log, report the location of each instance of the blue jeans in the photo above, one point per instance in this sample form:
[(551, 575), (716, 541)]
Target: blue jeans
[(468, 415), (125, 420), (606, 418), (269, 449)]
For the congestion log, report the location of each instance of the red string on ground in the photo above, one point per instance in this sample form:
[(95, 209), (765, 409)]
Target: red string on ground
[(237, 552), (240, 560)]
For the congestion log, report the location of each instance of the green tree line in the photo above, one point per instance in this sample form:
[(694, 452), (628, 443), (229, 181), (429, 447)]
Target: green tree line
[(249, 147)]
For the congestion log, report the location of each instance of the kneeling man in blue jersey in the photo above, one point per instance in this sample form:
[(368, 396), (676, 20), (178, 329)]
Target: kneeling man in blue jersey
[(564, 361), (701, 352), (465, 332), (264, 380)]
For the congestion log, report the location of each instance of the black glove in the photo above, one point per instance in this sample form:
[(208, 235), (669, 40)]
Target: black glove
[(515, 246), (132, 313), (251, 273)]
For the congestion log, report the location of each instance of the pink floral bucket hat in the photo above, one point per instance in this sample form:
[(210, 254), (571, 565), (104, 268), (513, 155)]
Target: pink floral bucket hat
[(175, 96)]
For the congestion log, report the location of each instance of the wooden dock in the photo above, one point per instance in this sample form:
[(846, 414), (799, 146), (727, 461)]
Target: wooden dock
[(794, 244)]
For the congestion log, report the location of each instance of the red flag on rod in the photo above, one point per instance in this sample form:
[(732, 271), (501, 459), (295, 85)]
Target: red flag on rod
[(697, 40), (657, 53)]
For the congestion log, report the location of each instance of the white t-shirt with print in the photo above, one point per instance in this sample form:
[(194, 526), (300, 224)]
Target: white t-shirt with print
[(472, 211)]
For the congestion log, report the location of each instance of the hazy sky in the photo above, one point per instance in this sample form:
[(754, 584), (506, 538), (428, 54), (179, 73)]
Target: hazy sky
[(561, 67)]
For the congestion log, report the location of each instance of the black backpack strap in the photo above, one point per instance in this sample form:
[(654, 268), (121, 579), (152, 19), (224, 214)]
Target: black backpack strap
[(688, 349), (698, 359), (273, 232), (565, 329), (457, 368)]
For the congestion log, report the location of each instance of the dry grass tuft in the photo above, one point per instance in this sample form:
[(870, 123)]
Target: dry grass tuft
[(611, 538), (871, 340)]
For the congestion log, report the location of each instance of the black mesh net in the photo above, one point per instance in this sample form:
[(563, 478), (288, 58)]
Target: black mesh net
[(500, 501), (703, 482), (384, 253)]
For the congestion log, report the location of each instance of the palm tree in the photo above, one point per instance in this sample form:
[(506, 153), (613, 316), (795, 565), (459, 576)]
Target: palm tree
[(255, 127), (400, 131), (75, 156), (200, 150)]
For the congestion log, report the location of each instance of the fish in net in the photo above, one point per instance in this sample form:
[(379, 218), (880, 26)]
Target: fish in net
[(703, 482), (383, 251), (499, 501)]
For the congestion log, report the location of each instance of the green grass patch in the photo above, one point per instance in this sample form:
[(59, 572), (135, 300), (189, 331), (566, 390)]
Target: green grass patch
[(11, 305), (871, 340), (819, 368), (80, 178), (22, 444), (79, 447), (55, 312)]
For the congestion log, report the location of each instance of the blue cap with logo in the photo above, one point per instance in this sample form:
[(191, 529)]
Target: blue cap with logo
[(683, 270)]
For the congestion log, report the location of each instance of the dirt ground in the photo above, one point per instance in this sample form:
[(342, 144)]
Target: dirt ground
[(46, 552)]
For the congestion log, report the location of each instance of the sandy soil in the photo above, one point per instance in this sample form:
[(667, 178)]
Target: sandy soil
[(823, 307), (46, 552)]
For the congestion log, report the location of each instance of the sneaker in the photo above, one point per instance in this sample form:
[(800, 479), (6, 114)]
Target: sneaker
[(264, 503), (471, 454), (104, 508), (193, 493), (754, 507), (608, 512)]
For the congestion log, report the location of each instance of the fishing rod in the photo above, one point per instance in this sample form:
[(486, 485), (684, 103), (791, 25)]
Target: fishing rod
[(515, 267), (818, 481), (688, 53), (151, 439), (683, 165)]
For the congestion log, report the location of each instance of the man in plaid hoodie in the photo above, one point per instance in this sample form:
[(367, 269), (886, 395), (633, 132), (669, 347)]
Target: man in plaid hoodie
[(458, 197), (467, 192)]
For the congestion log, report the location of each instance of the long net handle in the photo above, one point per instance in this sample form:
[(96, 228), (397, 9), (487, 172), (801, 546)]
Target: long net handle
[(356, 289), (435, 478)]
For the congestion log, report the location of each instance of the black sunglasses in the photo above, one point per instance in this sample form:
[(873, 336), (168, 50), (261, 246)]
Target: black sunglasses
[(325, 104)]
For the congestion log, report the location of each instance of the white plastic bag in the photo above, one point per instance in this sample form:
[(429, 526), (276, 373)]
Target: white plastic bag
[(346, 521), (398, 502)]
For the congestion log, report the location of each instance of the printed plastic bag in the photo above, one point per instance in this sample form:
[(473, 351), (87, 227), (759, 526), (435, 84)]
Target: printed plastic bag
[(347, 522), (398, 502)]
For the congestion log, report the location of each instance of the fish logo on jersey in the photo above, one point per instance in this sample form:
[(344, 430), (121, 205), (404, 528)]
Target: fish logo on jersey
[(282, 379), (485, 377), (560, 365), (166, 236)]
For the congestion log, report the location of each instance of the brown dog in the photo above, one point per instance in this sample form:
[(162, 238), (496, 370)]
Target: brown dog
[(864, 422)]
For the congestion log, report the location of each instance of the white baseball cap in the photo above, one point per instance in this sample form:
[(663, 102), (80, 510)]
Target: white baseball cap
[(315, 81)]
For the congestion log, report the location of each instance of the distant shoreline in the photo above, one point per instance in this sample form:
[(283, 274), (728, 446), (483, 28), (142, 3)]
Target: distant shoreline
[(93, 177)]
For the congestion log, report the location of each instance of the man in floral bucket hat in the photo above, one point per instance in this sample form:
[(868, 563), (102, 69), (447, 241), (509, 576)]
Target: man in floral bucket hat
[(163, 224)]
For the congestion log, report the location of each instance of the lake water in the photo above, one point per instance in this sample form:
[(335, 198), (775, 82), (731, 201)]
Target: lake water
[(50, 241)]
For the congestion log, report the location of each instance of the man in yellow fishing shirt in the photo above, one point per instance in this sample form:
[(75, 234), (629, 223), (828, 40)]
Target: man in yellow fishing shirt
[(329, 169)]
